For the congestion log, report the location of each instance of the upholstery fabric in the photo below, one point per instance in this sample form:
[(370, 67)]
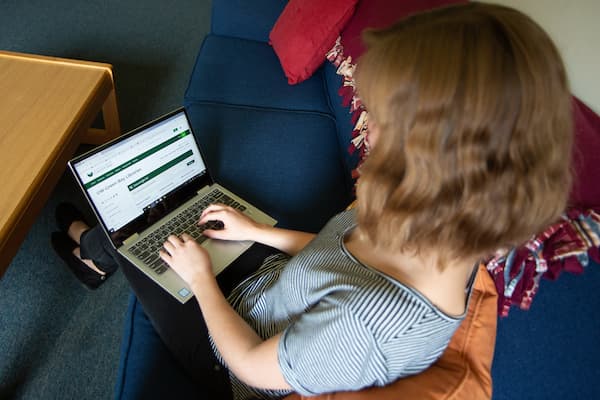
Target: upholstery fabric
[(305, 31), (146, 360), (260, 83), (463, 371), (342, 114), (284, 171), (380, 14), (551, 351), (245, 19), (586, 157)]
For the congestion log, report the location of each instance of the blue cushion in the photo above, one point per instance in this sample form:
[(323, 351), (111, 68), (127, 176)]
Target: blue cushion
[(147, 370), (343, 118), (285, 162), (245, 72), (552, 351), (245, 19)]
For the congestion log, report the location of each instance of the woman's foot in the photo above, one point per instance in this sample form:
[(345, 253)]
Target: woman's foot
[(68, 250), (76, 229), (77, 253), (72, 224)]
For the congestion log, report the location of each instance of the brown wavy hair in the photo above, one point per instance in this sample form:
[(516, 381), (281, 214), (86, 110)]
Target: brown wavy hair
[(473, 110)]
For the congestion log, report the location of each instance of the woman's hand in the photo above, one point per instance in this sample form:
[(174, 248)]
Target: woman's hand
[(186, 257), (236, 225)]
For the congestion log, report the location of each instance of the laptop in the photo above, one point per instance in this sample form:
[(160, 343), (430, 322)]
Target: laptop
[(153, 182)]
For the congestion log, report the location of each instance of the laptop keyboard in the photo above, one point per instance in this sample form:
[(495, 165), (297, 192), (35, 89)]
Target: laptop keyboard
[(184, 222)]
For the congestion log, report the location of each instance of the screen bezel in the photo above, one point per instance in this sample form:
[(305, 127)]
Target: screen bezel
[(161, 208)]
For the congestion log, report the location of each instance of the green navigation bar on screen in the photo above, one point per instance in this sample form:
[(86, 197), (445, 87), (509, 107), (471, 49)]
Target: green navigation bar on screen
[(136, 159), (160, 170)]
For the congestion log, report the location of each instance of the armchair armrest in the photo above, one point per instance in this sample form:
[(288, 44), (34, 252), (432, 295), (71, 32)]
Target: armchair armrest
[(245, 19)]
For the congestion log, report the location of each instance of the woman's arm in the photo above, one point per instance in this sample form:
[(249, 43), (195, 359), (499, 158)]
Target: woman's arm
[(238, 226), (285, 240), (251, 359)]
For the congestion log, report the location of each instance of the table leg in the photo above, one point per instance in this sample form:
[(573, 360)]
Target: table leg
[(112, 126)]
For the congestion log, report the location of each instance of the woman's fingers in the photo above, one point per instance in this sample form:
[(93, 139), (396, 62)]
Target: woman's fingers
[(226, 215), (185, 237), (164, 255), (173, 242), (236, 225), (213, 216), (217, 207)]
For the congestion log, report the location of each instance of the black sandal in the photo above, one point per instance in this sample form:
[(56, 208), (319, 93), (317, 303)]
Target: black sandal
[(63, 246)]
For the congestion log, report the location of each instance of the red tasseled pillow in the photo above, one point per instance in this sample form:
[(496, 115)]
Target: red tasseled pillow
[(305, 31)]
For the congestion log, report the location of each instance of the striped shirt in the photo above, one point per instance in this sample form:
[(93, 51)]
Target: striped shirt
[(345, 326)]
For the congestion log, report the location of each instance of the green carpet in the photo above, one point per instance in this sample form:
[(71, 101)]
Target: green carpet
[(57, 339)]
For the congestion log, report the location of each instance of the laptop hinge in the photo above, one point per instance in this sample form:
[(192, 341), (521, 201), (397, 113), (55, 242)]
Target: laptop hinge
[(131, 239)]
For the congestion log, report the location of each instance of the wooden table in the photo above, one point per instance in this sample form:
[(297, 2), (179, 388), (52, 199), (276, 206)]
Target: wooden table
[(47, 106)]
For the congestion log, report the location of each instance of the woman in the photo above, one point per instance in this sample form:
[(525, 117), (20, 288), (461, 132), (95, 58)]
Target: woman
[(470, 137)]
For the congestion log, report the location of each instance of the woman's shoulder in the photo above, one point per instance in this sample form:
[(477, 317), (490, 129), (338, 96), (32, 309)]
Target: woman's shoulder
[(341, 221), (383, 300)]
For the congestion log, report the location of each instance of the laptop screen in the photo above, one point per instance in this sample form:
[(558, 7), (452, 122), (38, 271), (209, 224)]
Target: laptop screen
[(137, 179)]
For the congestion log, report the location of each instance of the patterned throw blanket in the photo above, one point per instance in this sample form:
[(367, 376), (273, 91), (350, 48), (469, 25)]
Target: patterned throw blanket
[(567, 245)]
